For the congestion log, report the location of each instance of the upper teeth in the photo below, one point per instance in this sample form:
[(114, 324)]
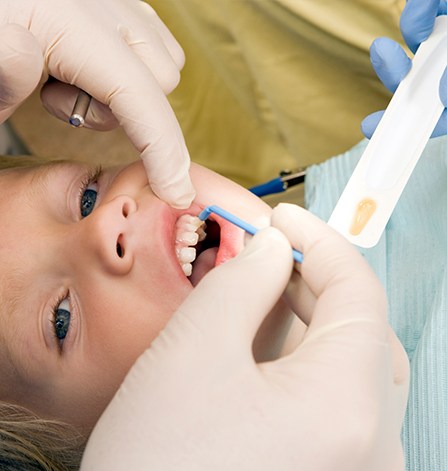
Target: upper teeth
[(189, 230)]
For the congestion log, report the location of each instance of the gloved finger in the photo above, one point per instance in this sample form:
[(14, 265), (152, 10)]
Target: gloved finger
[(58, 99), (300, 298), (341, 280), (164, 153), (369, 124), (231, 301), (151, 49), (139, 105), (443, 88), (348, 327), (147, 36), (417, 21), (149, 16), (21, 65), (441, 126), (390, 62)]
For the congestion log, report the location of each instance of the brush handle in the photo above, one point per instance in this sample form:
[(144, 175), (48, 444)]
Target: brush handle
[(204, 215)]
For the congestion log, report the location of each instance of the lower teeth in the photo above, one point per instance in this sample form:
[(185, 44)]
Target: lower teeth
[(187, 269)]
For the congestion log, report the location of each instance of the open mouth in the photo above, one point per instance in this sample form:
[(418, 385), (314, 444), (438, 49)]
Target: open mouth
[(196, 246)]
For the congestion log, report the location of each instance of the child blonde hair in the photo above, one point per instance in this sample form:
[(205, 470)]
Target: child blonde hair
[(29, 443)]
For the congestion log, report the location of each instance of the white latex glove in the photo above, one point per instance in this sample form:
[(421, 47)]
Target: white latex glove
[(196, 400), (121, 53)]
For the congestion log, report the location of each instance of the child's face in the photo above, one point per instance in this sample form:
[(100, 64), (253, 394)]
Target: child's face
[(82, 297)]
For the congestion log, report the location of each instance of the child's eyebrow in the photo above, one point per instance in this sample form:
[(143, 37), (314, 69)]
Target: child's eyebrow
[(59, 173), (14, 284), (40, 179)]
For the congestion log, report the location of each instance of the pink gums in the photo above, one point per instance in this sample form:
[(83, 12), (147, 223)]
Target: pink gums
[(231, 240)]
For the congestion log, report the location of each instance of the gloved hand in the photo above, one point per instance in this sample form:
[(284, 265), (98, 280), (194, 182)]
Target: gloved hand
[(121, 53), (196, 399), (391, 62)]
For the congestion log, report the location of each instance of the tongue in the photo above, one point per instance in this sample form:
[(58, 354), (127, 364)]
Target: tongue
[(203, 264)]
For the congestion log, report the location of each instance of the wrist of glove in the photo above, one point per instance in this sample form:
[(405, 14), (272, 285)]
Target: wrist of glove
[(197, 400)]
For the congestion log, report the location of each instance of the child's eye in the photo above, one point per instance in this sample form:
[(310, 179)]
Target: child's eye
[(88, 200), (89, 192), (61, 319)]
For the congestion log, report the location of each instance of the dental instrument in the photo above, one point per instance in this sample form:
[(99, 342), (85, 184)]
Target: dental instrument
[(285, 180), (390, 157), (297, 256), (77, 118)]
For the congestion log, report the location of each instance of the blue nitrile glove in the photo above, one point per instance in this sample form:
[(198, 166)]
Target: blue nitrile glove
[(391, 62)]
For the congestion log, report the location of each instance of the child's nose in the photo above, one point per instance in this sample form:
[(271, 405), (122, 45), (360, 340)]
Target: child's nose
[(106, 232)]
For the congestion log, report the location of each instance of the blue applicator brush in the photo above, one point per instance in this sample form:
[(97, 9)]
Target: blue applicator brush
[(297, 256)]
